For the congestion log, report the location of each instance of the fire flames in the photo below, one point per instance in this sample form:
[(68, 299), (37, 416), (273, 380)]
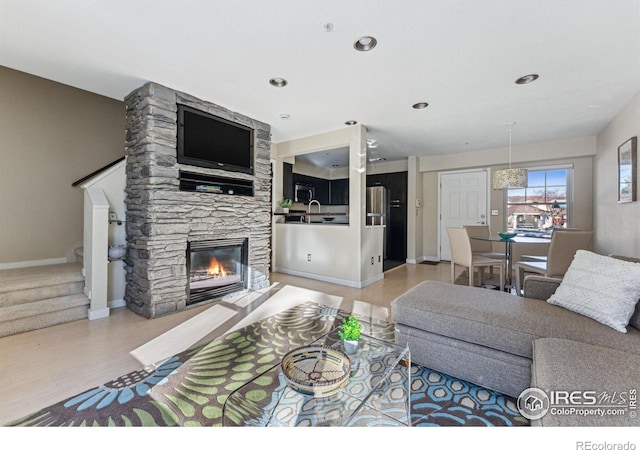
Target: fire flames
[(215, 268)]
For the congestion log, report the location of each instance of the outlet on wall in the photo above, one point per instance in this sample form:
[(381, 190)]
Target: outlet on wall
[(308, 256), (372, 260)]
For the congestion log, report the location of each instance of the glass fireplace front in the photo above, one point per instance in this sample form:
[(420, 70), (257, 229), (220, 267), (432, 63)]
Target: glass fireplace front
[(216, 268)]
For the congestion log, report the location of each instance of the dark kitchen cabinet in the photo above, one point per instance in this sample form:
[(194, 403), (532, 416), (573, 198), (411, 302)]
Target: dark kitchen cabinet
[(339, 191), (397, 232), (396, 184), (396, 209), (287, 181), (376, 180), (319, 185), (327, 192), (322, 190)]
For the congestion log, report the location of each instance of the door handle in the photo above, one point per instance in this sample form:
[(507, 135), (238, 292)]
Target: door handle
[(482, 223)]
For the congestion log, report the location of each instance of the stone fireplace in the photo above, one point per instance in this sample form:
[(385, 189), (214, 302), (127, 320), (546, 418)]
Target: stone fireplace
[(171, 230)]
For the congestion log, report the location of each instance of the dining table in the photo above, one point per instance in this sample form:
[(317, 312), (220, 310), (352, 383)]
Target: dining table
[(508, 251)]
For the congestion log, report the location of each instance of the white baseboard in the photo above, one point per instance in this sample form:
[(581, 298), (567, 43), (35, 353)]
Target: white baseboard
[(423, 258), (314, 276), (33, 263), (372, 280), (98, 313), (117, 303)]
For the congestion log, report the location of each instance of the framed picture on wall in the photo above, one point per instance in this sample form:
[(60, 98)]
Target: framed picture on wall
[(627, 171)]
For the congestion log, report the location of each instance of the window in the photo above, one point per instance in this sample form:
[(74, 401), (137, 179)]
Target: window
[(543, 205)]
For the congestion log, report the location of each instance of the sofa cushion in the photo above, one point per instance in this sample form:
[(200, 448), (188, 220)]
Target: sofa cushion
[(499, 320), (635, 319), (603, 288), (484, 366), (563, 365)]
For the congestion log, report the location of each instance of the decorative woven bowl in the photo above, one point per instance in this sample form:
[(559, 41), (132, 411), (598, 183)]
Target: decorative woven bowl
[(507, 235), (316, 370)]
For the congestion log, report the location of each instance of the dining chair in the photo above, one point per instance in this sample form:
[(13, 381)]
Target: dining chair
[(463, 255), (483, 247), (480, 247), (544, 257), (562, 249)]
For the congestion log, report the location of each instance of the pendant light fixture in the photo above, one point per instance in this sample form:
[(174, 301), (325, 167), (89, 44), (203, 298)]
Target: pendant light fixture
[(510, 178)]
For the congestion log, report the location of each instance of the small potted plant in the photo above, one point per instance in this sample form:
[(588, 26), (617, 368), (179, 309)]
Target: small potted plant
[(285, 204), (350, 333)]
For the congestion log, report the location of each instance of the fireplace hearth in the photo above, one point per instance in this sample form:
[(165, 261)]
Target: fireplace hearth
[(216, 268)]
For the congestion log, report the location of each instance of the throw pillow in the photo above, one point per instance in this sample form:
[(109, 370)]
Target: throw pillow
[(602, 288)]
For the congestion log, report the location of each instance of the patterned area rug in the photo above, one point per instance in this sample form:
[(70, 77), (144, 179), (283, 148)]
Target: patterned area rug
[(190, 388)]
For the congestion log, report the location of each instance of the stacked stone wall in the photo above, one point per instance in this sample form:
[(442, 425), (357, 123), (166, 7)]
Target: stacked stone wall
[(161, 218)]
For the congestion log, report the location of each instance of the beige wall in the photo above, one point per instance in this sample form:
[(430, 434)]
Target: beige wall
[(50, 136), (616, 225), (575, 152)]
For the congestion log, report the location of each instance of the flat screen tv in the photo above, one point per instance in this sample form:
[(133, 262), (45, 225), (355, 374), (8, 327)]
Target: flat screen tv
[(205, 140)]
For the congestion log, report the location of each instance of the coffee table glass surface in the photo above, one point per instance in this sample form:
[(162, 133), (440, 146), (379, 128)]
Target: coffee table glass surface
[(377, 393)]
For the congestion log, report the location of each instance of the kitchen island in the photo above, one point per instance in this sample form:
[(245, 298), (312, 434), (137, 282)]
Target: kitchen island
[(327, 251)]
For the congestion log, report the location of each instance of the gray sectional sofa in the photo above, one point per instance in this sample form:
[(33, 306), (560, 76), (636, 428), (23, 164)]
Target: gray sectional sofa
[(509, 343)]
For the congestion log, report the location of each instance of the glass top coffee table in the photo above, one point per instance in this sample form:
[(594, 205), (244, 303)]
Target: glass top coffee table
[(378, 392)]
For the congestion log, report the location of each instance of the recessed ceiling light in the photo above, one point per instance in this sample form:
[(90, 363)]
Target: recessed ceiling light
[(278, 82), (350, 122), (420, 105), (365, 43), (284, 116), (527, 79)]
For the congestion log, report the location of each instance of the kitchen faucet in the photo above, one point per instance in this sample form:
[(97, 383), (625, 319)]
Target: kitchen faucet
[(309, 208)]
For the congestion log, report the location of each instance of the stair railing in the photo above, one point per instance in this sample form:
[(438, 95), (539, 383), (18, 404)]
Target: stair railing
[(96, 243), (96, 172)]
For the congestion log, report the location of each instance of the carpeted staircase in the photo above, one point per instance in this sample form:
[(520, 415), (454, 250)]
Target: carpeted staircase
[(37, 297)]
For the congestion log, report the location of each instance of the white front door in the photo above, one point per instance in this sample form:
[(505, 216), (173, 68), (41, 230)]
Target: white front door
[(463, 201)]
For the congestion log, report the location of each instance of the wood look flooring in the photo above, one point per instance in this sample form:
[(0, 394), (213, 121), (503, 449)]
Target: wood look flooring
[(42, 367)]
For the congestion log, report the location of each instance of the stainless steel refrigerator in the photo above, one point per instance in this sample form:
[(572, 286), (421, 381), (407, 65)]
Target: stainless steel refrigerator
[(377, 207)]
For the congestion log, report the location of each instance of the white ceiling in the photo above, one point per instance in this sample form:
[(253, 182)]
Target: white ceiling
[(460, 56)]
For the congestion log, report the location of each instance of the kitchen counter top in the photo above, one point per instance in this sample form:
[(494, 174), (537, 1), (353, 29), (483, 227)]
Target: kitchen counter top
[(327, 214), (314, 218)]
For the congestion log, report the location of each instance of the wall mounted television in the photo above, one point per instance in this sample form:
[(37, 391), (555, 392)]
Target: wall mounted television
[(205, 140)]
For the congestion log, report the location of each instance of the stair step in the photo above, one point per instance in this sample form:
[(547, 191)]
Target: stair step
[(42, 307), (37, 297), (79, 252), (30, 284), (44, 313), (26, 296)]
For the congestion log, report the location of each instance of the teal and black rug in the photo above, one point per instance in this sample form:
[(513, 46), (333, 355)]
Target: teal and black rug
[(189, 389)]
